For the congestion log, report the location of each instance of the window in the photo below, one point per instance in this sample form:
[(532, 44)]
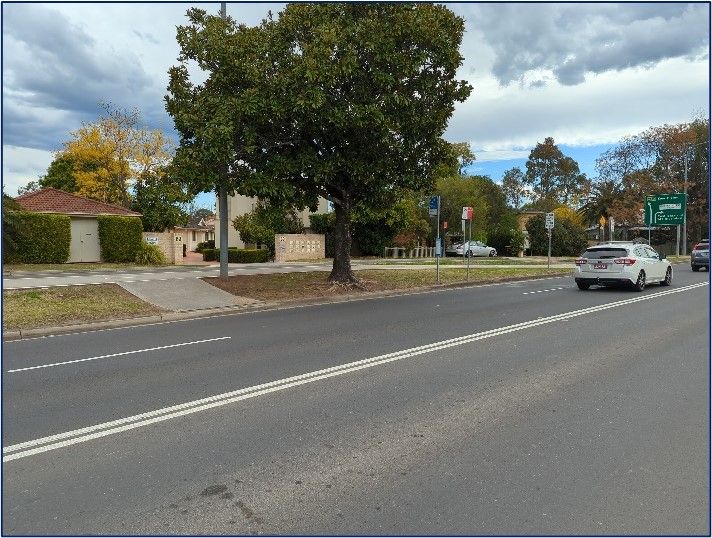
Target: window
[(193, 235), (605, 253)]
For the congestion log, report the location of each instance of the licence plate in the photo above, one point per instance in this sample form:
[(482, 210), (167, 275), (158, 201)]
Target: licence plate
[(600, 266)]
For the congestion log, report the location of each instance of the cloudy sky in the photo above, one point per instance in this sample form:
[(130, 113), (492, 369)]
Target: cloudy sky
[(586, 74)]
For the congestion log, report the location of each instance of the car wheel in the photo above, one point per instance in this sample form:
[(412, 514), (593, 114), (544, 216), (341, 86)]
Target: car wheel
[(492, 254), (668, 277), (583, 285), (640, 283), (695, 268), (469, 254)]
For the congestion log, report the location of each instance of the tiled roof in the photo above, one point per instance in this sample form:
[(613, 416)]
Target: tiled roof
[(50, 200)]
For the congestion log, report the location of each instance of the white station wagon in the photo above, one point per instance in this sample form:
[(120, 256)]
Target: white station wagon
[(619, 262)]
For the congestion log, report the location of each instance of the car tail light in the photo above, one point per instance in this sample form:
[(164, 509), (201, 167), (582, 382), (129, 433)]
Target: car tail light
[(581, 261), (624, 261)]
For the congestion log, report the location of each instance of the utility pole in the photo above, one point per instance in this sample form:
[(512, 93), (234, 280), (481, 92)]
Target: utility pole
[(222, 196), (684, 219)]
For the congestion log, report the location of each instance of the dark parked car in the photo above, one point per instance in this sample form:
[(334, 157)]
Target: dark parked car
[(700, 256)]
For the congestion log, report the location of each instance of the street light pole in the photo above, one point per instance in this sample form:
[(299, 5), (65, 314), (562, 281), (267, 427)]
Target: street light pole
[(222, 197)]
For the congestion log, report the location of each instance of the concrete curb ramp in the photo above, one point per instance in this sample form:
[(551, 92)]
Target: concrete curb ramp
[(184, 295)]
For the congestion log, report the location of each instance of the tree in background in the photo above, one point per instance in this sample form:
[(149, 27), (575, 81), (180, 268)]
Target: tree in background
[(513, 186), (322, 101), (262, 223), (160, 200), (568, 238), (653, 162), (554, 176), (456, 192), (104, 159), (543, 169)]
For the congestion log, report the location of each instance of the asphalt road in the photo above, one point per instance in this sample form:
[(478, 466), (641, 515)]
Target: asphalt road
[(520, 408)]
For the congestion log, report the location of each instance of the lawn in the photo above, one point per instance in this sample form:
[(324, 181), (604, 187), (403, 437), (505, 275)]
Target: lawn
[(25, 309), (291, 286)]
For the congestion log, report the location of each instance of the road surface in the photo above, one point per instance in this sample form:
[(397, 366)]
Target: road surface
[(518, 408)]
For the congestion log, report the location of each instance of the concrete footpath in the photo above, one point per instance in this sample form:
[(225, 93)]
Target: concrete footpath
[(191, 294)]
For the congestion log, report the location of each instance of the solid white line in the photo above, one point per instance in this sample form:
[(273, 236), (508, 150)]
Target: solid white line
[(54, 442), (117, 354)]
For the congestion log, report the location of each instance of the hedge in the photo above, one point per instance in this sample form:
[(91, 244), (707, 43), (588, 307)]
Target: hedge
[(120, 238), (41, 238), (237, 255)]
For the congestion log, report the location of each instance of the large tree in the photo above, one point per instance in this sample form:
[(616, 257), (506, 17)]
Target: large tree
[(340, 100), (104, 159), (554, 176), (513, 187)]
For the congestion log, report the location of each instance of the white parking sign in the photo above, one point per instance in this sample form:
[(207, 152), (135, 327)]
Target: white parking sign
[(549, 221)]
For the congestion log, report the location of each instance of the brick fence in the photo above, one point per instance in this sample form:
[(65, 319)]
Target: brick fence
[(170, 243), (291, 247)]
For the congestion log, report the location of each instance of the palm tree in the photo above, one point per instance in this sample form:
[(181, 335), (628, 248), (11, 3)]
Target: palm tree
[(600, 201)]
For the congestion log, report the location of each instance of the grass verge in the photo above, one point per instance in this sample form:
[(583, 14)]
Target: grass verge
[(473, 261), (290, 286), (27, 309)]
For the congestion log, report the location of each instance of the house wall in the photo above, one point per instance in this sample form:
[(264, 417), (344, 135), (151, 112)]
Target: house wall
[(84, 246), (239, 205), (200, 236), (170, 243), (291, 247)]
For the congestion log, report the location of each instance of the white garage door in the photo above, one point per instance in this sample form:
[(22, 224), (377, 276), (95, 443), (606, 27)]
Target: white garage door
[(85, 240)]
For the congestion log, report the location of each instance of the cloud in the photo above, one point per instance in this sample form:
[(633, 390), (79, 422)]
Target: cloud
[(605, 109), (22, 165), (574, 40)]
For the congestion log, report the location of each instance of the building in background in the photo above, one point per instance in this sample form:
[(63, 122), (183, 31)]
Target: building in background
[(239, 205)]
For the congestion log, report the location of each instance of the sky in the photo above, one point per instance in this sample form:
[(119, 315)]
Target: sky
[(585, 74)]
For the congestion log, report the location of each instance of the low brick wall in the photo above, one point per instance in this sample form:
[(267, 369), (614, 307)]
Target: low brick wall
[(291, 247), (170, 243)]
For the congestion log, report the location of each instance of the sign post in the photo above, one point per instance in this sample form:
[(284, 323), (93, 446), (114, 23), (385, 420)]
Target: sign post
[(435, 211), (466, 215), (549, 224)]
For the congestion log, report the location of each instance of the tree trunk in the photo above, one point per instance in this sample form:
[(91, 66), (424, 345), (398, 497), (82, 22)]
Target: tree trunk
[(341, 270)]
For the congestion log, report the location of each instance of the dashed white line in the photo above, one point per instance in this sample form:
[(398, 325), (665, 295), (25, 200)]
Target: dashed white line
[(541, 291), (117, 354)]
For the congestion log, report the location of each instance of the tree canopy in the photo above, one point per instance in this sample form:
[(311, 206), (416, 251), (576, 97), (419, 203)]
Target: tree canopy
[(554, 176), (340, 100)]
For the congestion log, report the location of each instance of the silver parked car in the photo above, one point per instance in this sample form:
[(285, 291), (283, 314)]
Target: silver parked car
[(619, 262), (471, 248)]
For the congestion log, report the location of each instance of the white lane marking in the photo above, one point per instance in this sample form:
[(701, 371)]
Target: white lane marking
[(541, 291), (53, 442), (117, 354)]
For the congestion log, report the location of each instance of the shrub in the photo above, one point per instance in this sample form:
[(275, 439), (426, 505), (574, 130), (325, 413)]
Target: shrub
[(120, 238), (40, 238), (236, 255), (205, 244), (150, 255), (567, 238)]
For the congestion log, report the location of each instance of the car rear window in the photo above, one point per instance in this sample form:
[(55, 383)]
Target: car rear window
[(604, 253), (702, 246)]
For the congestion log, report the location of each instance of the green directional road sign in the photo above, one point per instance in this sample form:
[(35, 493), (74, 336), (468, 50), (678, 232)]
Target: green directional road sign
[(665, 209)]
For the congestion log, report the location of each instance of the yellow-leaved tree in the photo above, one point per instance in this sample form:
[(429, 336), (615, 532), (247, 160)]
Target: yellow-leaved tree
[(111, 154)]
